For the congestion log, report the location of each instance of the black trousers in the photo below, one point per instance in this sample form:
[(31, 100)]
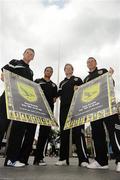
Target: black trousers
[(112, 124), (64, 138), (4, 122), (20, 141), (27, 143), (42, 140)]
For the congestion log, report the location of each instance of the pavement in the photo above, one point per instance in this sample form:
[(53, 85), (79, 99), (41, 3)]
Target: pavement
[(52, 172)]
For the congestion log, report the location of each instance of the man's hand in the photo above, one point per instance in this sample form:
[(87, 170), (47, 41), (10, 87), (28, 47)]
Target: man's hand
[(111, 71), (2, 76), (75, 87)]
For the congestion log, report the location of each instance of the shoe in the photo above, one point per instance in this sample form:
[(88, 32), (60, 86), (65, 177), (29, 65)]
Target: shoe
[(62, 163), (84, 164), (96, 165), (26, 163), (14, 164), (118, 167), (42, 163)]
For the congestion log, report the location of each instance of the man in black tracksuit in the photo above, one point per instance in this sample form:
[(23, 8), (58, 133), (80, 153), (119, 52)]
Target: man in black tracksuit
[(50, 90), (98, 131), (66, 91), (18, 129)]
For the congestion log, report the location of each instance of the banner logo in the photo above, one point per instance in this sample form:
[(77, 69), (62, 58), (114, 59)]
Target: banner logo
[(90, 93), (27, 92)]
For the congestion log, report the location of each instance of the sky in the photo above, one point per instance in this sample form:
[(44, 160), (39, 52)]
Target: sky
[(60, 32)]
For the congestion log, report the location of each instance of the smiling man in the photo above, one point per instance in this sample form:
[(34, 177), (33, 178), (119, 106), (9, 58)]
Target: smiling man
[(112, 124), (18, 129), (50, 90)]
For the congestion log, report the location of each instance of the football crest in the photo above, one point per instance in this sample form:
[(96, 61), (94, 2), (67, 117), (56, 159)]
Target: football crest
[(90, 93), (27, 92)]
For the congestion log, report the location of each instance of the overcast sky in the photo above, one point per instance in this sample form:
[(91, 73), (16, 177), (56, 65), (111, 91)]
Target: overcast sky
[(68, 31)]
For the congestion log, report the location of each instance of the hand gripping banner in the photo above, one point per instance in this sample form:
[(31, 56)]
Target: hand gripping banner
[(92, 101), (25, 101)]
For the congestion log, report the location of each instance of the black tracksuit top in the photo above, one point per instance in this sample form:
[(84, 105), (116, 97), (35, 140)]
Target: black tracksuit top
[(66, 89), (50, 90), (20, 68), (96, 73)]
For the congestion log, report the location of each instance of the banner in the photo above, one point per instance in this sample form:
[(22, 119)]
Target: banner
[(25, 101), (92, 101)]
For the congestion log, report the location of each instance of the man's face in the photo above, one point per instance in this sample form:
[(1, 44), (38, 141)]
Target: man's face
[(28, 55), (68, 70), (48, 72), (91, 64)]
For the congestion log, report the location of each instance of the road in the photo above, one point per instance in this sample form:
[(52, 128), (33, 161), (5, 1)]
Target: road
[(52, 172)]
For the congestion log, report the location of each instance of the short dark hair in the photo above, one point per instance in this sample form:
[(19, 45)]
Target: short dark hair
[(48, 67), (92, 58), (68, 65), (30, 50)]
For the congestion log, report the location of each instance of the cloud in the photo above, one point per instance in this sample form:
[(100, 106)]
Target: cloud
[(58, 3)]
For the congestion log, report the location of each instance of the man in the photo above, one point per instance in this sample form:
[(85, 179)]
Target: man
[(66, 91), (50, 90), (98, 132), (18, 129)]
